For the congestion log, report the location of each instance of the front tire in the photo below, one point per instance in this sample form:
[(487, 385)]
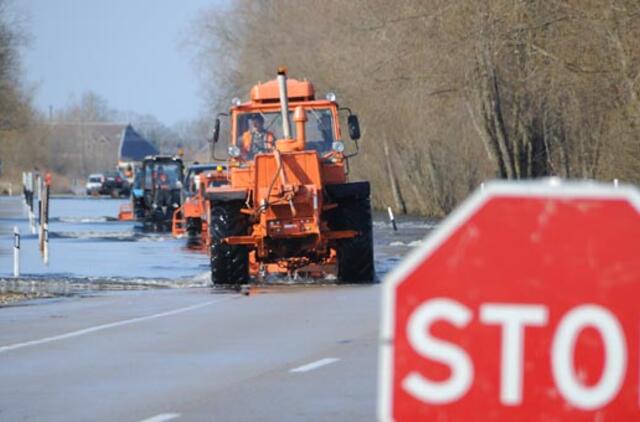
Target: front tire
[(355, 255), (229, 263)]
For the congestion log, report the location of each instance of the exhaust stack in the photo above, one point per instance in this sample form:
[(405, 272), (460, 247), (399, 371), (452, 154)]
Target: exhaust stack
[(284, 102), (300, 117)]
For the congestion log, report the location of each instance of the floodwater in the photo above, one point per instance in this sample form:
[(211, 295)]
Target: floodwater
[(89, 247)]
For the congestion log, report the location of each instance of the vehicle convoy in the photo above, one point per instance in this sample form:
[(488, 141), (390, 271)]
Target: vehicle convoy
[(288, 207), (161, 185), (192, 217)]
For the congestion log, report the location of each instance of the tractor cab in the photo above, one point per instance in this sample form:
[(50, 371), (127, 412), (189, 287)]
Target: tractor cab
[(319, 128), (161, 183), (261, 119), (192, 216), (215, 174)]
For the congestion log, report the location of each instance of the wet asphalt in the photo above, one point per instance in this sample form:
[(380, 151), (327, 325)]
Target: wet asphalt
[(284, 352)]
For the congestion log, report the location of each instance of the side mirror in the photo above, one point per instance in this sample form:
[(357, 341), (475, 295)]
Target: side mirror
[(354, 127), (216, 131)]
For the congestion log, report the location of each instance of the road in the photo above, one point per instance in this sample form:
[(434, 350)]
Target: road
[(281, 353), (188, 353)]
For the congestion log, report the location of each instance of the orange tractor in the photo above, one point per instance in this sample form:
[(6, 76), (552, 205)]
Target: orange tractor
[(288, 207), (192, 217)]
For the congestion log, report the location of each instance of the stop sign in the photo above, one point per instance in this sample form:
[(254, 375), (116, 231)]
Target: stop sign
[(523, 304)]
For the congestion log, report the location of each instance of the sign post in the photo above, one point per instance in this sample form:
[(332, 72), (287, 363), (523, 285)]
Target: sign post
[(523, 304)]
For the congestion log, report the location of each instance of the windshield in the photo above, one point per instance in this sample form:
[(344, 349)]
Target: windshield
[(258, 131), (163, 175), (95, 179)]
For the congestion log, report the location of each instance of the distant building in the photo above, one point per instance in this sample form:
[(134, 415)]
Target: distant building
[(80, 148), (133, 147)]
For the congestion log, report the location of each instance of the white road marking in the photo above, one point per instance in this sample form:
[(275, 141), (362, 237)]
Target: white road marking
[(314, 365), (107, 326), (162, 417)]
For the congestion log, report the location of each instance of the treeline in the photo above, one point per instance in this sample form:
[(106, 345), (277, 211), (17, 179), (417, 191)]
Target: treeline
[(16, 113), (450, 93)]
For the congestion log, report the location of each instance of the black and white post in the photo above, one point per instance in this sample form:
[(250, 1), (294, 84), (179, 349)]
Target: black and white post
[(16, 252), (392, 219), (44, 221), (32, 180), (45, 251)]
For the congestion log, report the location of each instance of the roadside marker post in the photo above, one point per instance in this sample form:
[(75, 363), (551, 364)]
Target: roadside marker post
[(39, 189), (45, 251), (16, 252), (392, 218), (521, 305), (44, 246)]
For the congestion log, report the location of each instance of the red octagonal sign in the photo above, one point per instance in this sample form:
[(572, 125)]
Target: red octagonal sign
[(523, 304)]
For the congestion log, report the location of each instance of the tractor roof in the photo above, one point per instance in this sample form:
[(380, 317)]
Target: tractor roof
[(268, 92)]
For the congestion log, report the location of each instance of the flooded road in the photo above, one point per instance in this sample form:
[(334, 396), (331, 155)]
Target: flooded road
[(86, 240), (88, 245), (285, 352)]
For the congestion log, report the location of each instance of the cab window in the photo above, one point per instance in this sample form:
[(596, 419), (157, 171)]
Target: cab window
[(318, 128)]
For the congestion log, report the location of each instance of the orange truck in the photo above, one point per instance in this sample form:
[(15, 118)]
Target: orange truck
[(191, 219), (288, 206)]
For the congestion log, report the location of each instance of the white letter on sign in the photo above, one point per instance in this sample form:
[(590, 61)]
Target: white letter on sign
[(513, 319), (562, 355), (439, 392)]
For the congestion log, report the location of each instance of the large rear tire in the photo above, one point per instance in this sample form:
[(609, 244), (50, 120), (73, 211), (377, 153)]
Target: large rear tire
[(229, 263), (355, 255)]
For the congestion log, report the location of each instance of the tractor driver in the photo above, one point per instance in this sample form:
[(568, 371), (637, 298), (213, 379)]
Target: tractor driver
[(163, 179), (162, 195), (256, 139)]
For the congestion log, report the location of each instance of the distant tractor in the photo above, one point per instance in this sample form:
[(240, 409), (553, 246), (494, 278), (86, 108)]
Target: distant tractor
[(288, 207), (161, 185), (192, 217)]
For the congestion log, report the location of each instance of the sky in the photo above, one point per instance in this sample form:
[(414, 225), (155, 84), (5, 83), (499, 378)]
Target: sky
[(131, 52)]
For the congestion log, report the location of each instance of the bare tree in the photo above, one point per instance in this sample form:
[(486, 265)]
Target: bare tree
[(450, 93)]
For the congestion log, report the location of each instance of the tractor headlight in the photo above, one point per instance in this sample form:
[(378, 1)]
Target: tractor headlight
[(337, 146), (236, 101), (234, 151), (331, 96)]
